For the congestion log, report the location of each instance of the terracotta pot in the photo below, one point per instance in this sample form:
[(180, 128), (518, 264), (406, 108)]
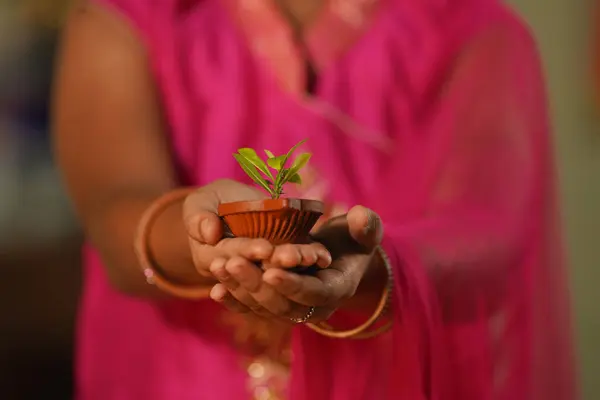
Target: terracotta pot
[(277, 220)]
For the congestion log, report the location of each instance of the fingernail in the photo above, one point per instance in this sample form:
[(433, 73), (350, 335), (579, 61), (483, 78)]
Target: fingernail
[(325, 256), (214, 294), (369, 225)]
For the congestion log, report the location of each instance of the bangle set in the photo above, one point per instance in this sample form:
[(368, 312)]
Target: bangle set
[(363, 331), (156, 278), (142, 249)]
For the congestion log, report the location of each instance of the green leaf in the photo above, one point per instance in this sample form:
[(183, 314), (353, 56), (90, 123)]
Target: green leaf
[(281, 177), (251, 156), (300, 162), (276, 162), (289, 154), (269, 154), (253, 173), (296, 178)]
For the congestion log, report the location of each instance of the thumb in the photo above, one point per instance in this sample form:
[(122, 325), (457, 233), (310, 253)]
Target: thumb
[(200, 216), (200, 211), (365, 226)]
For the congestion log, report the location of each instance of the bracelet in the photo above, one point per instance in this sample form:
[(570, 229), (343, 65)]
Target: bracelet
[(361, 332), (142, 248)]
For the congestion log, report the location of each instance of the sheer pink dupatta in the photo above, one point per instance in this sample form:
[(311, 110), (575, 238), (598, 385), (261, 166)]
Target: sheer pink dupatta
[(480, 303)]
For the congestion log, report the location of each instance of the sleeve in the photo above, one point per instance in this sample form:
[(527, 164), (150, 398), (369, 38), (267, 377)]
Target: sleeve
[(487, 163), (138, 13)]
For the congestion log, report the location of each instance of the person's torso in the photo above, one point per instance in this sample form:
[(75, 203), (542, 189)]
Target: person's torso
[(230, 75)]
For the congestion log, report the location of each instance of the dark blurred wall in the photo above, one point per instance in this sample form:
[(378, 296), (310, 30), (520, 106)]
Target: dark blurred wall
[(39, 241)]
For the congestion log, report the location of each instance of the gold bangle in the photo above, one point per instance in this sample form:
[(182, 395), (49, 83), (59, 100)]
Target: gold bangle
[(142, 248), (361, 332), (375, 332)]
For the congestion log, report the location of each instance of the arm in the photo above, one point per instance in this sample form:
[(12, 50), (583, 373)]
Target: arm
[(111, 146)]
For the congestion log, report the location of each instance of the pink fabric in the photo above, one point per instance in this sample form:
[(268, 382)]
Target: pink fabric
[(435, 117)]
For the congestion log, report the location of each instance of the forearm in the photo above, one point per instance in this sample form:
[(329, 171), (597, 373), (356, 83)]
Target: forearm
[(113, 231)]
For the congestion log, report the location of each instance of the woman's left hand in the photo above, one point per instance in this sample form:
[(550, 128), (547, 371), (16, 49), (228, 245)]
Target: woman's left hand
[(351, 240)]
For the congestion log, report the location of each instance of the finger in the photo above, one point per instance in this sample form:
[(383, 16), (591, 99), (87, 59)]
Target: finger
[(365, 226), (244, 298), (308, 255), (203, 204), (252, 249), (245, 274), (315, 254), (335, 236), (200, 216), (221, 295), (293, 255), (219, 271), (249, 278), (324, 258), (209, 228), (286, 255), (307, 290), (236, 290)]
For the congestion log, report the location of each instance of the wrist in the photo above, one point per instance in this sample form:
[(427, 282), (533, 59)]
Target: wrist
[(376, 303), (370, 287), (163, 251), (168, 247)]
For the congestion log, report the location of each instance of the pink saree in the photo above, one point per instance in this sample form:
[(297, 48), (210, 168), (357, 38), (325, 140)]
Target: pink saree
[(430, 112)]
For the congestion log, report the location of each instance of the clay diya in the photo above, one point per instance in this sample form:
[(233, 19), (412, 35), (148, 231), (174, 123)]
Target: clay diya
[(278, 219)]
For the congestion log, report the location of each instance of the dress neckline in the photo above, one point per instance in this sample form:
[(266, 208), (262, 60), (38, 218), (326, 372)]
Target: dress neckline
[(288, 55)]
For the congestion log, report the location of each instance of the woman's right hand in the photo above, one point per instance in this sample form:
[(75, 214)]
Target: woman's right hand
[(206, 230)]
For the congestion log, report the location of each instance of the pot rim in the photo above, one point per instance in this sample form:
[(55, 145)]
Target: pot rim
[(239, 207)]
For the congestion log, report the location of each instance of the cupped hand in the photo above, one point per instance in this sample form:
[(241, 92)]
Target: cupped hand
[(206, 230), (242, 288), (351, 241)]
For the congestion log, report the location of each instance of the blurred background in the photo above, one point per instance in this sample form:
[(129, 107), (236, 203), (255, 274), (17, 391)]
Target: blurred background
[(39, 238)]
